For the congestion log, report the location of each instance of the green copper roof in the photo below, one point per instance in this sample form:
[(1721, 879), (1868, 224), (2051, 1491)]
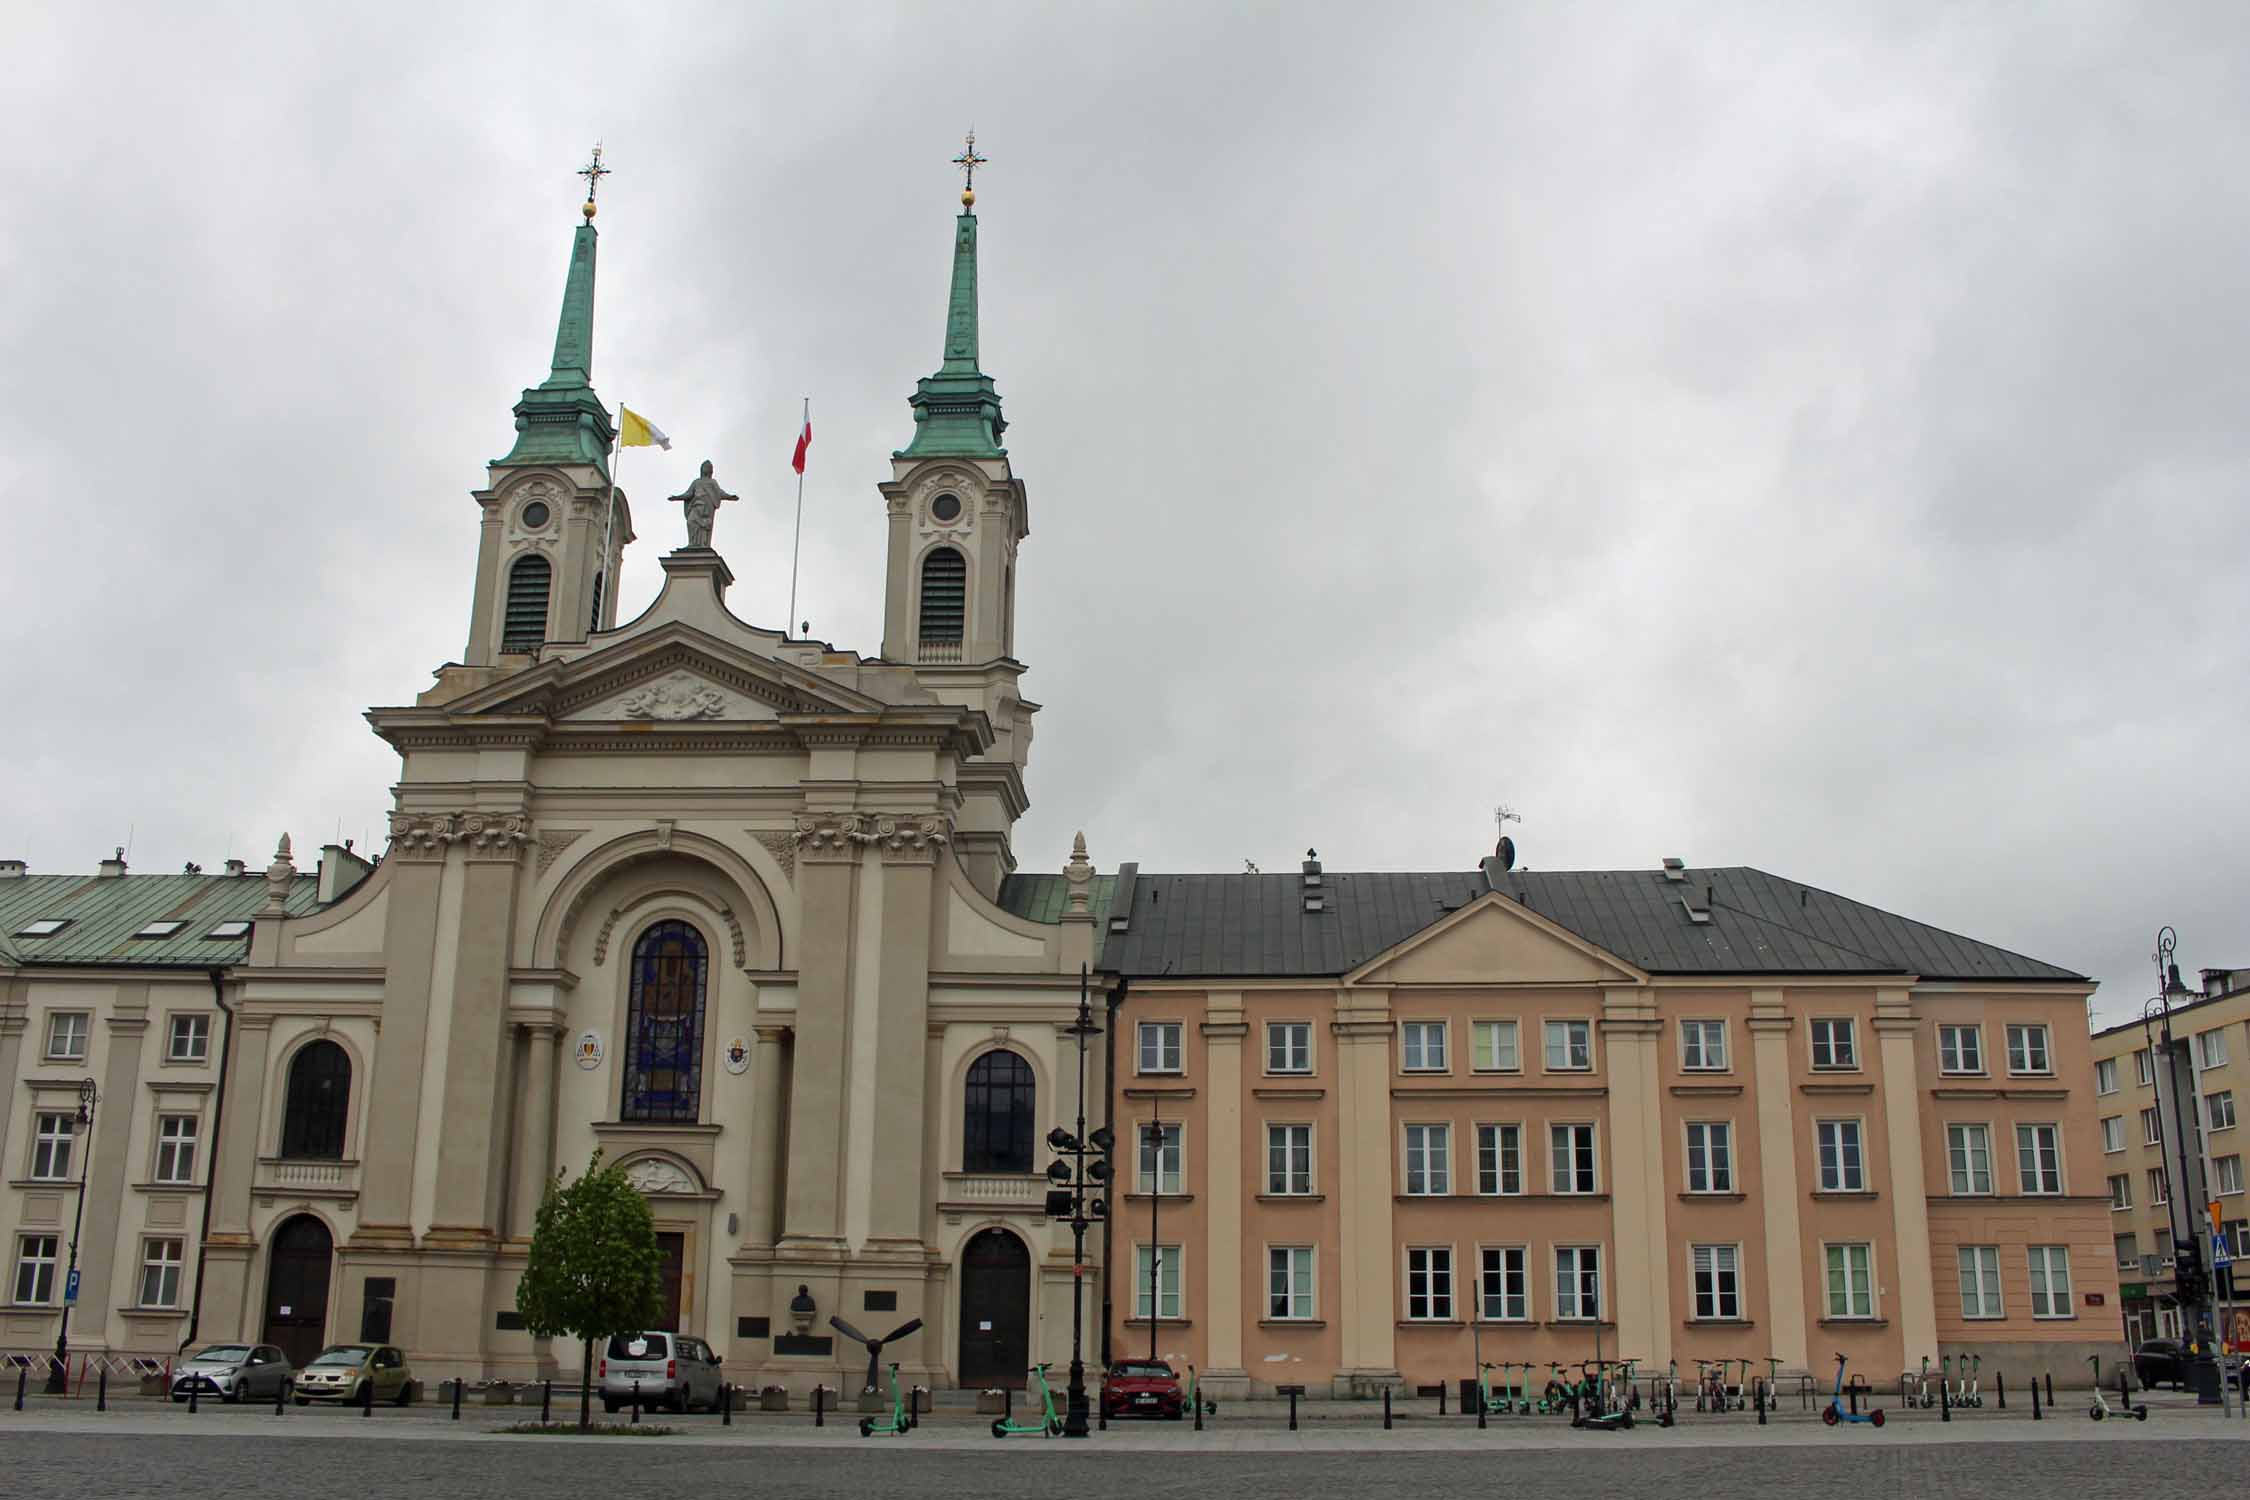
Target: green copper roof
[(957, 411), (101, 916), (561, 420)]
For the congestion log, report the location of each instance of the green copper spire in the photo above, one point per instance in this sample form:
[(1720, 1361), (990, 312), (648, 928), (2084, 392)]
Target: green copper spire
[(561, 420), (957, 411)]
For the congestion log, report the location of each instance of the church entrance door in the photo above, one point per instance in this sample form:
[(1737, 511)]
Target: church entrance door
[(995, 1311), (297, 1288), (673, 1250)]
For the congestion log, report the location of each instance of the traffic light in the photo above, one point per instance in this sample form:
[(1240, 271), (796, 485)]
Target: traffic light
[(1059, 1201)]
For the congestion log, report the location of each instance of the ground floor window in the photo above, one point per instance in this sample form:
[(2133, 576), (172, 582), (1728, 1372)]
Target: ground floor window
[(1718, 1281), (160, 1273), (2050, 1281), (1578, 1282), (1851, 1281), (1289, 1278), (1429, 1283), (35, 1269)]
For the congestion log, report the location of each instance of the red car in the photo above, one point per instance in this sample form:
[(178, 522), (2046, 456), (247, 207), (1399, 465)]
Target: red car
[(1142, 1388)]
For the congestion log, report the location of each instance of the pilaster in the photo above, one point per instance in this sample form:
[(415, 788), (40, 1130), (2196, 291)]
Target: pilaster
[(417, 868), (465, 1211), (767, 1142), (1367, 1252), (1770, 1025), (1223, 1031), (535, 1127), (234, 1155), (112, 1137), (1631, 1035), (910, 846), (1909, 1187), (828, 858)]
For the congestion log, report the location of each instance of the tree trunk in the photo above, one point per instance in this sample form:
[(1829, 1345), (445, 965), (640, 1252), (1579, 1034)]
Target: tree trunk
[(586, 1386)]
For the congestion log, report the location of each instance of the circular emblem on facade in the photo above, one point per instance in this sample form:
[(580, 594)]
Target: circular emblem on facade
[(536, 516), (738, 1055), (589, 1050), (946, 508)]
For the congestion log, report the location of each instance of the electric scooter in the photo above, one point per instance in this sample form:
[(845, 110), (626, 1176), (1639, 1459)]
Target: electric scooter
[(2101, 1407), (1915, 1391), (900, 1420), (1972, 1392), (1048, 1425), (1834, 1411), (1589, 1404)]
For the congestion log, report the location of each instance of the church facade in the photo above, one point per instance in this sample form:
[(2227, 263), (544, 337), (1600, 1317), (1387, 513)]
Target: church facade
[(741, 912)]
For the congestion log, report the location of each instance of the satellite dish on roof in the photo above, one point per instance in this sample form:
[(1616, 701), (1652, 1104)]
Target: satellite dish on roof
[(1506, 853)]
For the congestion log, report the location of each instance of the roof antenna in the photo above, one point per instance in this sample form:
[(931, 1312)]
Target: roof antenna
[(1250, 867), (1504, 848)]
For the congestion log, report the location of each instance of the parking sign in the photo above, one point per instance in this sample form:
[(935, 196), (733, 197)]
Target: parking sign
[(70, 1286)]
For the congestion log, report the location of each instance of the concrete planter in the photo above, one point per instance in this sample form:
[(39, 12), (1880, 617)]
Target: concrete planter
[(874, 1401), (773, 1400), (992, 1403), (154, 1385), (500, 1393)]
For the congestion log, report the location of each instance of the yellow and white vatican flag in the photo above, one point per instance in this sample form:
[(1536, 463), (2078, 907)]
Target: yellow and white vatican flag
[(637, 431)]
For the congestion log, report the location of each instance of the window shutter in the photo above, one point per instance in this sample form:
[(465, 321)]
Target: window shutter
[(524, 626)]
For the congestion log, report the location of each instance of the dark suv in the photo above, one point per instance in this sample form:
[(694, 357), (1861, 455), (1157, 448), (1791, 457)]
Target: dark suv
[(2161, 1362)]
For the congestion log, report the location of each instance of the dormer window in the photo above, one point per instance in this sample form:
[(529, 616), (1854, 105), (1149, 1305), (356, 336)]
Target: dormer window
[(44, 927), (160, 930)]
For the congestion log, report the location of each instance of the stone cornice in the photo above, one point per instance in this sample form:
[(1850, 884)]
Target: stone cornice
[(498, 836)]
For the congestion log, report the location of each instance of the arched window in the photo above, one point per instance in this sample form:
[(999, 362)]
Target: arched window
[(524, 626), (945, 599), (664, 1026), (999, 1114), (317, 1104)]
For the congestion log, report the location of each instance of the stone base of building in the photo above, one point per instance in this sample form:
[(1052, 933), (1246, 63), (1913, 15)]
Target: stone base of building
[(2019, 1363)]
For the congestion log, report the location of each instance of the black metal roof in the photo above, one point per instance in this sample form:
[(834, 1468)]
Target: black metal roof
[(1256, 926)]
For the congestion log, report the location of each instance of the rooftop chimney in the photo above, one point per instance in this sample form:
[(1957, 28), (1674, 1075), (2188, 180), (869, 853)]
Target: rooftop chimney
[(13, 869), (1675, 868), (112, 868), (237, 867), (1316, 897)]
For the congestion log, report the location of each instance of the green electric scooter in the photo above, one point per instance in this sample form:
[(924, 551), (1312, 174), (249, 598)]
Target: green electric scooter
[(1048, 1425), (900, 1420)]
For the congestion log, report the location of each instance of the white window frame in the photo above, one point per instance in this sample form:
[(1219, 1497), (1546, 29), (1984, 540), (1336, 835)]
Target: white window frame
[(1433, 1264), (163, 1256), (188, 1025), (1825, 1033), (2120, 1191), (2144, 1067), (1170, 1268), (2211, 1047), (1592, 1154), (1168, 1163), (2043, 1262), (2226, 1175), (2105, 1075), (1428, 1159), (54, 1143), (1963, 1141), (60, 1033), (2215, 1104), (1703, 1046), (2039, 1146), (1500, 1159), (1292, 1042), (1855, 1179), (1169, 1049), (2159, 1186), (1570, 1283), (1960, 1049), (1415, 1054), (2152, 1126), (1485, 1040), (1496, 1265), (2113, 1140), (1292, 1284), (178, 1142), (1859, 1283), (1983, 1298), (1568, 1037), (1719, 1265), (1293, 1139), (2030, 1050), (1710, 1156), (39, 1291)]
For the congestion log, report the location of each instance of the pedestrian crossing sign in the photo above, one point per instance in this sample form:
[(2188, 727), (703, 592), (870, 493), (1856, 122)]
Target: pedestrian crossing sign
[(2221, 1257)]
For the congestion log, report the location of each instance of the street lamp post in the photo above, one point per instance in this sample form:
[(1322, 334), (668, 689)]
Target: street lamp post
[(57, 1374), (1077, 1194), (2191, 1275)]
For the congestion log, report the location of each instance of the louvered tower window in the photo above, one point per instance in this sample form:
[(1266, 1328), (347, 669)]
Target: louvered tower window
[(595, 624), (945, 603), (524, 626)]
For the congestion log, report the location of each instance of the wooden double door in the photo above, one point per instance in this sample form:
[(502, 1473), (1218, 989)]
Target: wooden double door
[(995, 1311)]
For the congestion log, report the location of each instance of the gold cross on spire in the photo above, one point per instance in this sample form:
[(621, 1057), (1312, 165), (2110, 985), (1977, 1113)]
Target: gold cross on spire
[(968, 161), (593, 172)]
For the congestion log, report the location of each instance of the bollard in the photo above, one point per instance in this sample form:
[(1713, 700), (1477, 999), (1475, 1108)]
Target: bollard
[(2000, 1389), (2034, 1398), (2050, 1390), (1759, 1395), (194, 1395), (1386, 1408), (458, 1382), (1441, 1400), (19, 1387), (1480, 1401), (1944, 1402), (281, 1394), (101, 1391), (819, 1419), (366, 1399), (1292, 1408), (546, 1402), (726, 1403), (1197, 1403), (636, 1403)]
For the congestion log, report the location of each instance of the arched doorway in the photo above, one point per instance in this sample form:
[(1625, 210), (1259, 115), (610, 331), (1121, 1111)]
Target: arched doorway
[(995, 1311), (297, 1288)]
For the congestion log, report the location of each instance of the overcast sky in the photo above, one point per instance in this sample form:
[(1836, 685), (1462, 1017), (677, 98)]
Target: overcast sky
[(1788, 435)]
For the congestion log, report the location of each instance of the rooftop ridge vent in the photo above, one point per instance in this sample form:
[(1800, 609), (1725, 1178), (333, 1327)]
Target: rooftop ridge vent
[(1698, 904)]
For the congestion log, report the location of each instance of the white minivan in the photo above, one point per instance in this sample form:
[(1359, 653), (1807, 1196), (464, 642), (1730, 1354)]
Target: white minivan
[(671, 1370)]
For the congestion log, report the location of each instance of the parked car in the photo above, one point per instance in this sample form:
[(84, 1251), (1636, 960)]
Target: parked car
[(671, 1370), (346, 1372), (231, 1372), (1142, 1388), (2161, 1362)]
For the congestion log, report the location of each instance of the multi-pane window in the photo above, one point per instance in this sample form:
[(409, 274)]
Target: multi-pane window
[(2113, 1132), (1703, 1046), (2027, 1050), (2105, 1076), (1160, 1046), (1496, 1047), (35, 1269), (318, 1102), (2228, 1172), (1718, 1281), (1571, 1148), (52, 1138), (1422, 1046), (1499, 1159), (1288, 1046), (1504, 1284), (175, 1148), (1160, 1157), (190, 1038), (2039, 1158), (1980, 1281), (2121, 1190), (2050, 1281), (66, 1035), (2158, 1185), (1289, 1282), (1710, 1156), (1288, 1159), (2144, 1068), (1578, 1282), (2152, 1126), (1968, 1151), (664, 1026), (1429, 1283), (1960, 1049), (1851, 1281), (1832, 1045), (2211, 1047), (1570, 1046), (160, 1273), (2218, 1110), (1843, 1169), (1166, 1286), (1429, 1168), (999, 1113), (2129, 1252)]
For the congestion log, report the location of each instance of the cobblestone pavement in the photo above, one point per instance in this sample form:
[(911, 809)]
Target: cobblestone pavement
[(152, 1451)]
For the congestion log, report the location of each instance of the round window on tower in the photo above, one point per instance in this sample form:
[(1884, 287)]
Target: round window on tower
[(535, 515), (946, 508)]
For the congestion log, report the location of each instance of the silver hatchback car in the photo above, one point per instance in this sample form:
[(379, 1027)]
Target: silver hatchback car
[(671, 1369), (232, 1372)]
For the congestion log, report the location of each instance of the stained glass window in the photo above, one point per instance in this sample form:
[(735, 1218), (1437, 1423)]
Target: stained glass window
[(664, 1025)]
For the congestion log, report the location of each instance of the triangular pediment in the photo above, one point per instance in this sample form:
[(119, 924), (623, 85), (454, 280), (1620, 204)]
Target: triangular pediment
[(675, 674), (1494, 940)]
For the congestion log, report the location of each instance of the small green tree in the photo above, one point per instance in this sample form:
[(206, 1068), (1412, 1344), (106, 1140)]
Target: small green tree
[(594, 1269)]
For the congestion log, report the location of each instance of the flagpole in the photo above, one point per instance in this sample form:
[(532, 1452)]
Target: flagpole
[(796, 542), (609, 524)]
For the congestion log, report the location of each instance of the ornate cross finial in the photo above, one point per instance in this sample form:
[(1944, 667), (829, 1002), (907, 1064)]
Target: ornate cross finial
[(968, 161), (593, 172)]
